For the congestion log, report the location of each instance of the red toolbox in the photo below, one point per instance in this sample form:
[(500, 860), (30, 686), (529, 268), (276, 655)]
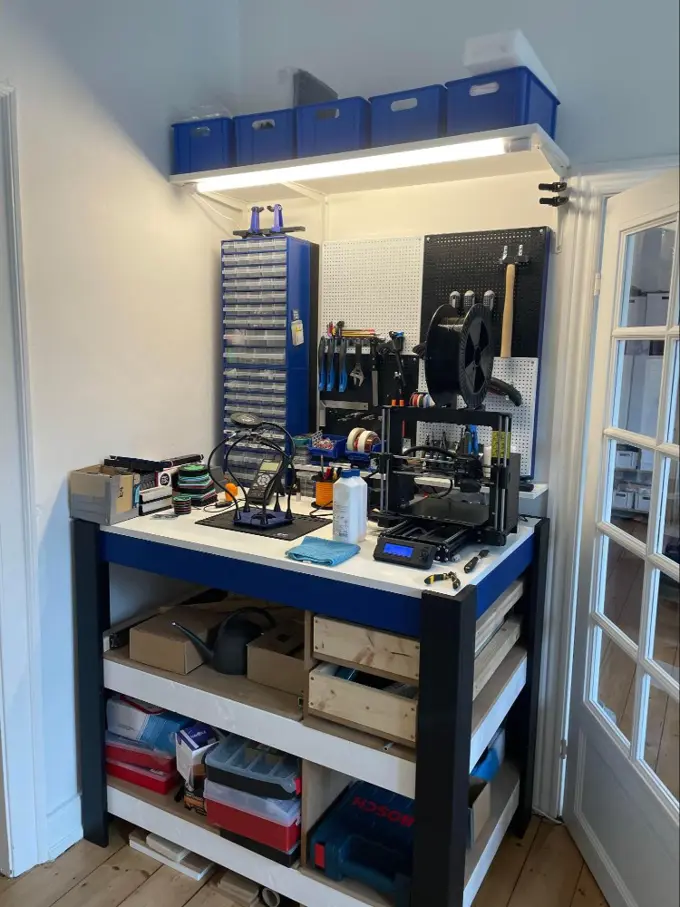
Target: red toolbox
[(275, 823), (151, 778)]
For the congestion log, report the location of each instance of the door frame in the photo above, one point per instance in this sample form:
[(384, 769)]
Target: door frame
[(23, 810), (577, 289)]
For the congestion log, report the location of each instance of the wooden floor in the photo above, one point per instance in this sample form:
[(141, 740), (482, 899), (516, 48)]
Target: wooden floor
[(543, 870)]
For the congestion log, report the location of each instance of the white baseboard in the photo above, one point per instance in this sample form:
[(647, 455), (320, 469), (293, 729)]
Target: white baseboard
[(64, 828)]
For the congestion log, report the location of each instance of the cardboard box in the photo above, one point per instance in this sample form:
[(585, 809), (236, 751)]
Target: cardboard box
[(157, 643), (276, 659), (103, 494), (479, 809), (193, 745)]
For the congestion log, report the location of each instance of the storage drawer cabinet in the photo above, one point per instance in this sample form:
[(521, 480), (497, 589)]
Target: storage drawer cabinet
[(268, 307)]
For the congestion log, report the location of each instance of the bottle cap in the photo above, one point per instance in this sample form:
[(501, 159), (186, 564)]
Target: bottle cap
[(350, 473)]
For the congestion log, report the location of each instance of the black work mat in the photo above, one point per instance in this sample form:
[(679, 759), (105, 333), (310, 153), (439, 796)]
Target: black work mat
[(302, 525), (471, 261)]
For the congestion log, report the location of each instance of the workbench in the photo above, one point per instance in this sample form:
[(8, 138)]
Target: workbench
[(452, 731)]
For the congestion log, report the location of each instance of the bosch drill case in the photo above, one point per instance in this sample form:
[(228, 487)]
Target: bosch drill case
[(368, 836)]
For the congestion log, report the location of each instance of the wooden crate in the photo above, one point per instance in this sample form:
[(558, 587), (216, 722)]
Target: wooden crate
[(375, 652), (396, 658), (355, 705)]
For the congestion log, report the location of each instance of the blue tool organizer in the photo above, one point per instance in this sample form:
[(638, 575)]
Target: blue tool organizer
[(266, 287)]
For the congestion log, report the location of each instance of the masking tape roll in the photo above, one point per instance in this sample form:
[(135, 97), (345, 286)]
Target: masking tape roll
[(352, 438)]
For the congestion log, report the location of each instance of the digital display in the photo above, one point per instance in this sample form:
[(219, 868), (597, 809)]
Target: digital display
[(269, 465), (398, 550)]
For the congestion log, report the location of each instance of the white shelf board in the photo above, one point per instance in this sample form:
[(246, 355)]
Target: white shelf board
[(529, 149), (161, 815), (504, 803), (207, 696)]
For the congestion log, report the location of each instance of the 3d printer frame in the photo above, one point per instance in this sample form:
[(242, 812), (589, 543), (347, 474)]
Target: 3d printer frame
[(503, 483)]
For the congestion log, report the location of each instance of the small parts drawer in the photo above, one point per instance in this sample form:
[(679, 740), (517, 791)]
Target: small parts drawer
[(383, 654)]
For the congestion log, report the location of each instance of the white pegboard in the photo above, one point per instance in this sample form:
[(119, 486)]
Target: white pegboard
[(522, 373), (373, 283)]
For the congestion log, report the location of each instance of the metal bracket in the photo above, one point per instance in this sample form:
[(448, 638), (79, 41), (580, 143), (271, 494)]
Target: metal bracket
[(314, 194), (234, 204)]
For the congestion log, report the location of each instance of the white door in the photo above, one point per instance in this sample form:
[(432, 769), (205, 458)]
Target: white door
[(623, 756)]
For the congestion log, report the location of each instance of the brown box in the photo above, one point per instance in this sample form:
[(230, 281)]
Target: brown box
[(276, 659), (479, 809), (157, 643), (103, 494)]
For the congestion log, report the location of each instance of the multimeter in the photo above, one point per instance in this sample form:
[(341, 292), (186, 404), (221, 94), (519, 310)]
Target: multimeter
[(262, 487)]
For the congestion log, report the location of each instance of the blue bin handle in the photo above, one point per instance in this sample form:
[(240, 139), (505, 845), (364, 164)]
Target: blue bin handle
[(367, 874)]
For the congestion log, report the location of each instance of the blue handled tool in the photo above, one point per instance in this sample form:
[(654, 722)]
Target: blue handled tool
[(323, 344), (330, 365), (342, 366)]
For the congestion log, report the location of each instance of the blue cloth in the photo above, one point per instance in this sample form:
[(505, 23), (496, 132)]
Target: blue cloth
[(322, 551)]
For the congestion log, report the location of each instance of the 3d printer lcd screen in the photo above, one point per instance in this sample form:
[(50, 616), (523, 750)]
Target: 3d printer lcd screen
[(398, 550)]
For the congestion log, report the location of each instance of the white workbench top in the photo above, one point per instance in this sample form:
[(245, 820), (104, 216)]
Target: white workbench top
[(362, 569)]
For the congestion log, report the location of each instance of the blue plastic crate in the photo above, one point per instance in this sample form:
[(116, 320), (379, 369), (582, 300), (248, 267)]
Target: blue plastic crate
[(336, 126), (337, 452), (497, 100), (408, 116), (264, 137), (203, 145)]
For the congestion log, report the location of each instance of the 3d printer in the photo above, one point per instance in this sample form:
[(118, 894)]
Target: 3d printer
[(418, 530)]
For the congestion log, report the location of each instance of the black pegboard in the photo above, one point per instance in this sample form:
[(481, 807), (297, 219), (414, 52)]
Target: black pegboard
[(471, 261)]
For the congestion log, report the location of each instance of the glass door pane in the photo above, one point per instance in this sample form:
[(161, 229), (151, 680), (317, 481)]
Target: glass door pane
[(649, 265)]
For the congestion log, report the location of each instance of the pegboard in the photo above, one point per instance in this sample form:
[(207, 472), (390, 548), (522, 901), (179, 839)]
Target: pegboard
[(382, 283), (522, 373), (471, 261), (373, 283)]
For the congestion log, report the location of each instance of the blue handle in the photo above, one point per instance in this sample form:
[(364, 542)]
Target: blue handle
[(330, 384), (322, 364)]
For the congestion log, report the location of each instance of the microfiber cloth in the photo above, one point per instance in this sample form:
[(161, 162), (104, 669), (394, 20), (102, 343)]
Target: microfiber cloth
[(322, 551)]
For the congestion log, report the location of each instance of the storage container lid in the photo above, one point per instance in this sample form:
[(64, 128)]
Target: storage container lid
[(239, 756), (281, 812)]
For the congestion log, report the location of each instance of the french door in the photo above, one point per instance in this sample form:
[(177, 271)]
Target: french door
[(621, 803)]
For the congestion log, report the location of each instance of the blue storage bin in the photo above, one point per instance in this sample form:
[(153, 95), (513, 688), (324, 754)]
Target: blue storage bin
[(264, 137), (203, 145), (334, 453), (408, 116), (341, 125), (496, 100)]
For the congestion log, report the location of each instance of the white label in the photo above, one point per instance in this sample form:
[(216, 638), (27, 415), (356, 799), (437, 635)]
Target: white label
[(297, 330)]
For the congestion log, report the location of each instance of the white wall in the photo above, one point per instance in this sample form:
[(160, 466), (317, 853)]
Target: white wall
[(615, 64), (121, 274)]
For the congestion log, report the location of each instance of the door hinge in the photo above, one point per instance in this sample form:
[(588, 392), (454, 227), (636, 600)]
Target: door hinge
[(597, 283), (564, 746)]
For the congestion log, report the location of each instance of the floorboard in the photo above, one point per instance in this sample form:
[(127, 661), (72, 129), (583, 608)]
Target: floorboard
[(506, 869), (551, 872), (543, 869), (587, 893), (46, 884)]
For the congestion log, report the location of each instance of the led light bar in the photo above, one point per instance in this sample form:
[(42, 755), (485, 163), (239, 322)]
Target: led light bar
[(351, 166)]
